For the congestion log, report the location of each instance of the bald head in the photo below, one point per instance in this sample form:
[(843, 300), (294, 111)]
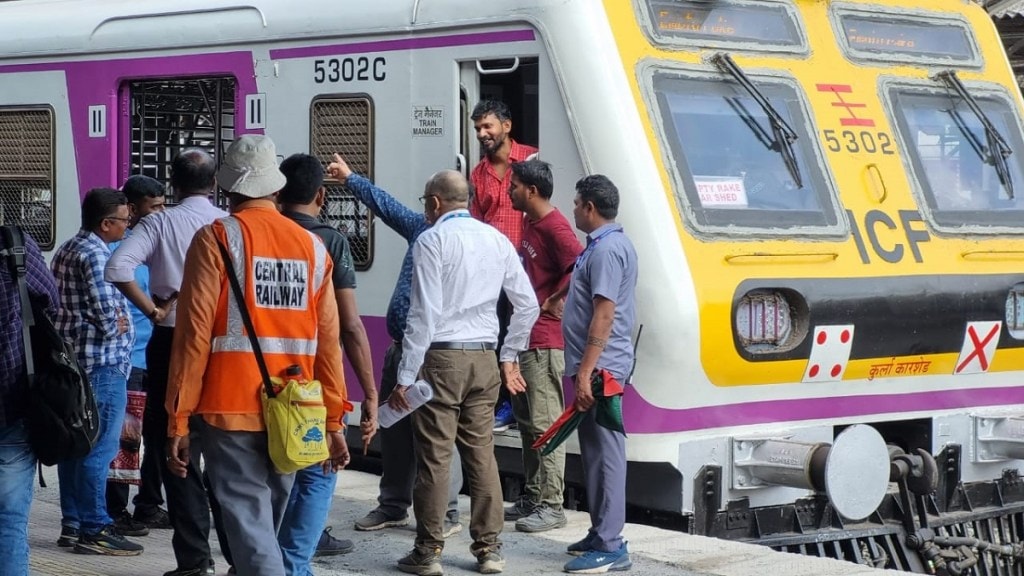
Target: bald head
[(449, 186)]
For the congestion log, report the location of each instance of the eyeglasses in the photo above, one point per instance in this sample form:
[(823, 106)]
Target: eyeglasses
[(118, 218), (423, 199)]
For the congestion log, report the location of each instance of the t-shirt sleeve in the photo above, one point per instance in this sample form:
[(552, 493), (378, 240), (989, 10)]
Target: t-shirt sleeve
[(344, 275), (566, 246)]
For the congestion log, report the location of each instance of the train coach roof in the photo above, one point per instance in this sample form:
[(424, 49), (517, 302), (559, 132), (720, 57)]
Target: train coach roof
[(30, 28)]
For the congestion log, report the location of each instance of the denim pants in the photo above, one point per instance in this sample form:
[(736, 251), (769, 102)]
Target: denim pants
[(83, 481), (308, 506), (17, 465)]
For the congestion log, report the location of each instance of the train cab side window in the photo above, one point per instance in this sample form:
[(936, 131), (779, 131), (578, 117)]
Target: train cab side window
[(732, 173), (344, 124), (950, 152), (27, 173)]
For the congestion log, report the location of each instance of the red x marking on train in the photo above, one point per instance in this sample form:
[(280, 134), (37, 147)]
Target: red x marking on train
[(979, 347), (838, 90)]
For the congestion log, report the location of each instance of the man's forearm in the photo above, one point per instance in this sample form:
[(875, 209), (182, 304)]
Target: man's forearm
[(136, 296)]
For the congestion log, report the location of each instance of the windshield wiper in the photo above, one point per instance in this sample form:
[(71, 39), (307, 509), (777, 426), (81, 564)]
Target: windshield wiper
[(997, 151), (784, 135)]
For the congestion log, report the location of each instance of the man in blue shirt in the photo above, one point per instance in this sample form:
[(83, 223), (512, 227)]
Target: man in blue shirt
[(17, 462), (597, 324), (94, 317), (145, 196), (399, 470)]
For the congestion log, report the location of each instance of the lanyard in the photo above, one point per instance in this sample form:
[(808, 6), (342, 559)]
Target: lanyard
[(451, 215), (583, 256)]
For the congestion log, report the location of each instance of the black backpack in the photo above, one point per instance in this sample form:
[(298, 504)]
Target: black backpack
[(61, 414)]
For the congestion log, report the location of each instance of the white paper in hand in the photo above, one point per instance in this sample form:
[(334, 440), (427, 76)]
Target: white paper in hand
[(417, 395)]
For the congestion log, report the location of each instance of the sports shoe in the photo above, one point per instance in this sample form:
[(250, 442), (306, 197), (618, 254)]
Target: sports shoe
[(422, 563), (578, 548), (208, 570), (68, 537), (128, 526), (490, 562), (523, 507), (542, 519), (156, 519), (108, 543), (378, 520), (599, 562), (331, 546), (450, 528), (503, 417)]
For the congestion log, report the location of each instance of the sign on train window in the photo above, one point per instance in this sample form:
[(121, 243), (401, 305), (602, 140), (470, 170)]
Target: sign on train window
[(732, 173), (951, 154), (344, 125), (27, 172), (910, 37), (766, 24)]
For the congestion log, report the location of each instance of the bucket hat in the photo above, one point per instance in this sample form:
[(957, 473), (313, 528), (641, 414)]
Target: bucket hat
[(250, 167)]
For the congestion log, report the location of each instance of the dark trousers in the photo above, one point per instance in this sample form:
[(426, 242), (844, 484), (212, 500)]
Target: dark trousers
[(149, 495), (187, 503)]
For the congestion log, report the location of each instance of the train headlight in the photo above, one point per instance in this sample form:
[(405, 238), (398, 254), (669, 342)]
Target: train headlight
[(768, 321), (1015, 312)]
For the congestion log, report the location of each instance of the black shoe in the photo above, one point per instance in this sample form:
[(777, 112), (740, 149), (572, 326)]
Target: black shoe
[(155, 518), (68, 537), (208, 570), (108, 543), (128, 526), (331, 546)]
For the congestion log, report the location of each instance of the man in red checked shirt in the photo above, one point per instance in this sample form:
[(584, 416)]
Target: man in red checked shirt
[(491, 177)]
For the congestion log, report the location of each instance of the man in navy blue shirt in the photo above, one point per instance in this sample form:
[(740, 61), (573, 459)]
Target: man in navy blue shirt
[(17, 462), (399, 471)]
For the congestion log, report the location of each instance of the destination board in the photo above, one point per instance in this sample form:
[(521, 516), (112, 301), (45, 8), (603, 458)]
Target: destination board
[(929, 40), (725, 21)]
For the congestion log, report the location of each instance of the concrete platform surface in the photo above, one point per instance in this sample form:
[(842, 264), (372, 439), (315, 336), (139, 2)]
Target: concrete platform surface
[(654, 551)]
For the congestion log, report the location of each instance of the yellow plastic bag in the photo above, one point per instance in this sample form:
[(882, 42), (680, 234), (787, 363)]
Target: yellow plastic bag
[(296, 422)]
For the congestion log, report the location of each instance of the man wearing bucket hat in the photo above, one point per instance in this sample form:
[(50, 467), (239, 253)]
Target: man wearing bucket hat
[(285, 275)]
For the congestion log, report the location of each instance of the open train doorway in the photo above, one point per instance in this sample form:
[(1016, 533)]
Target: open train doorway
[(514, 81)]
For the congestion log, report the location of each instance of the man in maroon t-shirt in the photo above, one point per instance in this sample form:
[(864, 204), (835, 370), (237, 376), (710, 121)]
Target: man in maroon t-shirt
[(548, 249)]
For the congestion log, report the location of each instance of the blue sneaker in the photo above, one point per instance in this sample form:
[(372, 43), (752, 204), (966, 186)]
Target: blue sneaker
[(503, 417), (599, 562)]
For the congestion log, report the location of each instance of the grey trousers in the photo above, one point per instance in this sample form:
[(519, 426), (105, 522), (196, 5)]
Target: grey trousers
[(398, 454), (252, 495), (604, 476)]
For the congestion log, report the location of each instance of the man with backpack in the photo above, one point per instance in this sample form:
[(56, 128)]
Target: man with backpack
[(17, 460)]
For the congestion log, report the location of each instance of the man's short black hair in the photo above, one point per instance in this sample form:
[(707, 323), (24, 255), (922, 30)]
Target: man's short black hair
[(140, 186), (599, 189), (100, 204), (305, 176), (536, 173), (193, 171), (496, 107)]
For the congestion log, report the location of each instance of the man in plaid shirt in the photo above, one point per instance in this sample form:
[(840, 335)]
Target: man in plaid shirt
[(94, 316)]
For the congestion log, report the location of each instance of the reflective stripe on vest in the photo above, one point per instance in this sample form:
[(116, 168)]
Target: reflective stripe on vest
[(235, 339)]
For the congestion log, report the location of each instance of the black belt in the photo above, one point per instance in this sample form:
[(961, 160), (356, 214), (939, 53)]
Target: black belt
[(462, 346)]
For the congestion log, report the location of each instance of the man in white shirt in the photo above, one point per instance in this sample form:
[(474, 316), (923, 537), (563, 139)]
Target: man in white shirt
[(160, 241), (460, 266)]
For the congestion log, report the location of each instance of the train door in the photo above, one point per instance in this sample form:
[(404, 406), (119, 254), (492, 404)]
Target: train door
[(162, 117)]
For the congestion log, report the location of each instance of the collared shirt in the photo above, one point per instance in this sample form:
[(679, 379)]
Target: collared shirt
[(12, 346), (90, 307), (337, 247), (141, 322), (460, 266), (607, 268), (409, 224), (161, 241), (491, 202)]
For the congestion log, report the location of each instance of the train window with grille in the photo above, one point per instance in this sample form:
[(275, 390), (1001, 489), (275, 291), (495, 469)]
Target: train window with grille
[(953, 156), (172, 115), (733, 172), (918, 37), (344, 124), (27, 172)]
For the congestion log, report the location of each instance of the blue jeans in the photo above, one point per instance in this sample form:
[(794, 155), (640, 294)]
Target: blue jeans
[(308, 505), (17, 465), (83, 481)]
